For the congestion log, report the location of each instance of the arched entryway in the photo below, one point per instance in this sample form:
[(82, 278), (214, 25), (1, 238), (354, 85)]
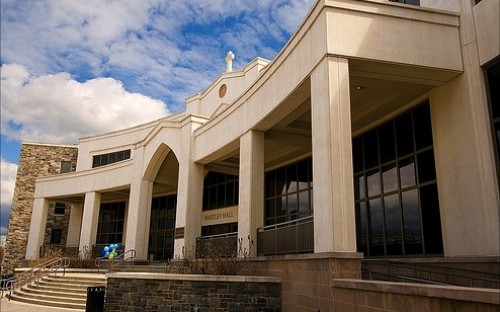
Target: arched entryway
[(163, 209)]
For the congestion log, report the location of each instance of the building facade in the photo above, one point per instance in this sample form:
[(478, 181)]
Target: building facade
[(37, 160), (375, 130)]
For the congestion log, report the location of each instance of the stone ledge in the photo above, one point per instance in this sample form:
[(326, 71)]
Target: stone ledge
[(195, 277), (480, 295)]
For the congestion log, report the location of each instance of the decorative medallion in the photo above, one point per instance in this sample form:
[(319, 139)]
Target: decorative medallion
[(222, 90)]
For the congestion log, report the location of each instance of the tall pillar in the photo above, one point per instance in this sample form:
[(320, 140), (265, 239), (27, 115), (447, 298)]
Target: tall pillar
[(75, 225), (139, 212), (37, 227), (334, 216), (189, 198), (251, 189), (90, 219)]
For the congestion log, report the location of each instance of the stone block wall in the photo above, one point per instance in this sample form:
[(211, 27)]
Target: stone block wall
[(186, 292), (35, 160), (57, 221)]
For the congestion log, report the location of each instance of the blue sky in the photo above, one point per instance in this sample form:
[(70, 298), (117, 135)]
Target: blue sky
[(73, 68)]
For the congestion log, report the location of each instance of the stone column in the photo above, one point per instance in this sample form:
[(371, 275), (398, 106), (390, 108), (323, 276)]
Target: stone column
[(334, 216), (139, 212), (251, 189), (75, 225), (90, 219), (37, 227), (189, 197)]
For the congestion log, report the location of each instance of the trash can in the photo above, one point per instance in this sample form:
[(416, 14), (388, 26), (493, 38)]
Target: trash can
[(95, 299)]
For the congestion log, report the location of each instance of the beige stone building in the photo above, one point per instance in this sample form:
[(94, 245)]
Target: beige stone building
[(375, 130)]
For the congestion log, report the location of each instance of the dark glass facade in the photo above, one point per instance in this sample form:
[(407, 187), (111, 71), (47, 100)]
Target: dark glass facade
[(220, 190), (289, 192), (111, 220), (162, 227), (396, 196)]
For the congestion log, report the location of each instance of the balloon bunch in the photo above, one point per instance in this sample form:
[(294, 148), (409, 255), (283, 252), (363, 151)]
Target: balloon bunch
[(110, 251)]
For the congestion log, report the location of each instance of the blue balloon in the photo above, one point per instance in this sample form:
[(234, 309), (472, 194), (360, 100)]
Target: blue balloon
[(106, 248), (106, 254)]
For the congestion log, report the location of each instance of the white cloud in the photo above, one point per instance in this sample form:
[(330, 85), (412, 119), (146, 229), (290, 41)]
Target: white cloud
[(8, 173), (58, 109), (145, 44)]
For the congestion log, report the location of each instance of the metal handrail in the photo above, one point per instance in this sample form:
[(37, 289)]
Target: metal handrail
[(36, 273), (285, 224), (218, 236), (125, 256)]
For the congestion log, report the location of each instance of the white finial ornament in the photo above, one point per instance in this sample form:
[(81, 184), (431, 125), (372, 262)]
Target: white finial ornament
[(229, 61)]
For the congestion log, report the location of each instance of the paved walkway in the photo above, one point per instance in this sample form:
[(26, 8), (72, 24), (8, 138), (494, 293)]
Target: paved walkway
[(13, 306)]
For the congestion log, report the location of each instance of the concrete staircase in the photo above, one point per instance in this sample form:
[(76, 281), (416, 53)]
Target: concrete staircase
[(68, 291)]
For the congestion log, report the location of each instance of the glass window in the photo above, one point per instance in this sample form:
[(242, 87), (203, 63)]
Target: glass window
[(110, 226), (397, 207), (371, 149), (220, 190), (412, 2), (56, 237), (65, 166), (404, 135), (109, 158), (59, 208), (289, 192), (162, 227)]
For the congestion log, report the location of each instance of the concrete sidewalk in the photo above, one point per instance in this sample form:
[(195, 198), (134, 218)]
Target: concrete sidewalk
[(13, 306)]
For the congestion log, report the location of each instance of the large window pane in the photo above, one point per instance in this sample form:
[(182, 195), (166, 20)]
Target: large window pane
[(387, 146), (359, 187), (407, 172), (431, 219), (394, 240), (377, 240), (390, 178), (371, 150), (404, 135), (357, 154), (411, 217), (423, 129), (426, 168), (362, 227), (373, 181)]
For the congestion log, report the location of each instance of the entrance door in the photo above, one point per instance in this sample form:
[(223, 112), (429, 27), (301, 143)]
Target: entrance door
[(162, 228)]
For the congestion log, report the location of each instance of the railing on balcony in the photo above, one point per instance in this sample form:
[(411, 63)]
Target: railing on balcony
[(222, 245), (290, 237)]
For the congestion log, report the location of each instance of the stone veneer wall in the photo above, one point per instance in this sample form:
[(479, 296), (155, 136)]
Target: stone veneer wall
[(187, 292), (57, 221), (35, 160)]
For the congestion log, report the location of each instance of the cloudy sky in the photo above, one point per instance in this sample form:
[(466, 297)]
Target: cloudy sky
[(72, 68)]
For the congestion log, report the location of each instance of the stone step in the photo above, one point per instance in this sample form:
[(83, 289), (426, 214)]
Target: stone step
[(68, 293), (21, 296), (66, 285), (65, 291)]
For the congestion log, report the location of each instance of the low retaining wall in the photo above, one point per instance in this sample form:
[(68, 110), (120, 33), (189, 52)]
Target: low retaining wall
[(361, 295), (306, 279), (188, 292)]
